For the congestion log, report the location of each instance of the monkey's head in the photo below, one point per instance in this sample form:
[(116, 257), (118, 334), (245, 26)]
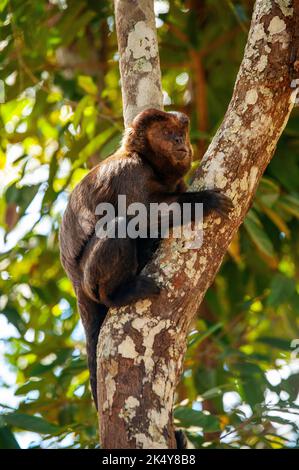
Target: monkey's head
[(163, 139)]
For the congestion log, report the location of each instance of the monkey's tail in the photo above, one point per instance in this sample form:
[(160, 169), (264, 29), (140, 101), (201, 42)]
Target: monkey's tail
[(93, 315)]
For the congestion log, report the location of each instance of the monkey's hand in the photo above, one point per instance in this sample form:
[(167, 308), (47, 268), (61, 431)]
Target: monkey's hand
[(215, 200), (212, 200)]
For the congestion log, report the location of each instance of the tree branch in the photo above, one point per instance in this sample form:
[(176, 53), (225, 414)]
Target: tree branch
[(141, 347), (138, 56)]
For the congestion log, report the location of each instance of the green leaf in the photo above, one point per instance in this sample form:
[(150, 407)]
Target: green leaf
[(77, 365), (7, 439), (277, 343), (86, 101), (285, 167), (110, 146), (248, 369), (258, 235), (253, 390), (22, 197), (30, 423), (268, 191), (198, 338), (14, 318), (280, 419), (189, 417), (94, 145), (28, 387), (38, 369), (213, 392), (290, 204), (282, 289), (87, 84), (3, 4)]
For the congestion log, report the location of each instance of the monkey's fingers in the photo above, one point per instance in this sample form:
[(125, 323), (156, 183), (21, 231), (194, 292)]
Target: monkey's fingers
[(223, 213), (226, 203), (224, 206), (215, 190)]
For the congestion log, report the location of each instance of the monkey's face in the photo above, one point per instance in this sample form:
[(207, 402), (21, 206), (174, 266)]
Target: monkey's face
[(169, 140)]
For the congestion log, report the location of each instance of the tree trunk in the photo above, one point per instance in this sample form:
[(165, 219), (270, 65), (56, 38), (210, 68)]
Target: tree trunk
[(141, 347)]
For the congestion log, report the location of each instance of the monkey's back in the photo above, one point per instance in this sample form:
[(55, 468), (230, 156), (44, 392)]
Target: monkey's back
[(122, 173)]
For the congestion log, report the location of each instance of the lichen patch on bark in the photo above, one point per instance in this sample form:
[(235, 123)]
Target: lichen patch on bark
[(141, 42), (127, 348)]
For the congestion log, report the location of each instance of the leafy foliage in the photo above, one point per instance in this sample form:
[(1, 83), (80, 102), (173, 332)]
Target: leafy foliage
[(61, 115)]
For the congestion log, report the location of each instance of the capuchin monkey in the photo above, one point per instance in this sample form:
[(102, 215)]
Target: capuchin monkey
[(149, 167)]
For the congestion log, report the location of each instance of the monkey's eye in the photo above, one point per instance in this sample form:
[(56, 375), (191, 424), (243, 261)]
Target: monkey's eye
[(170, 135)]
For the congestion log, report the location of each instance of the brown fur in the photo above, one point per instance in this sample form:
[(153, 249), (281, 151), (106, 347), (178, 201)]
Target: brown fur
[(149, 167)]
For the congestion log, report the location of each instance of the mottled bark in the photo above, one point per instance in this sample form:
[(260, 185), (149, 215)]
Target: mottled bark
[(139, 56), (141, 347)]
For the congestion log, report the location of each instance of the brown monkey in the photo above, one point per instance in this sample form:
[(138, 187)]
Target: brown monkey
[(149, 167)]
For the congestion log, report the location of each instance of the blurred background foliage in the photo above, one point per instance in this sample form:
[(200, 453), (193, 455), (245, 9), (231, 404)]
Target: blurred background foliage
[(61, 114)]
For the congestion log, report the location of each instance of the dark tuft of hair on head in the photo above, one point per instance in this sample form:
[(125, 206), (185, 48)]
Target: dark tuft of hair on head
[(143, 119)]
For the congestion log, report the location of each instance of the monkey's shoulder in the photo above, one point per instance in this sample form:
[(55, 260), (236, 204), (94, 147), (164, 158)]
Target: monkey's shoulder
[(124, 173), (120, 164)]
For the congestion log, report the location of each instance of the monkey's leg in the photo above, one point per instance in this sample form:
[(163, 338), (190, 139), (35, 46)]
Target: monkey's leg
[(146, 247), (137, 288), (110, 266), (131, 286), (93, 316)]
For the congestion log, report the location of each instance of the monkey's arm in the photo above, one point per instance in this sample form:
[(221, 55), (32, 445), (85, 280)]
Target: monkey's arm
[(212, 200)]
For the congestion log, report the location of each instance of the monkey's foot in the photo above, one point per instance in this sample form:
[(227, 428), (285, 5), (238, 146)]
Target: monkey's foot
[(138, 288)]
